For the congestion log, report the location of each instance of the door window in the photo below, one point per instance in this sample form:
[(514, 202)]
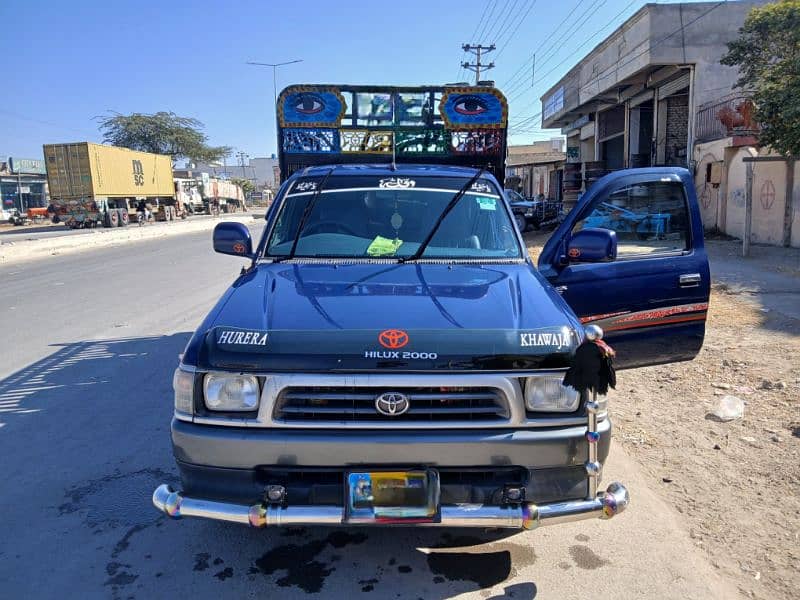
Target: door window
[(648, 218)]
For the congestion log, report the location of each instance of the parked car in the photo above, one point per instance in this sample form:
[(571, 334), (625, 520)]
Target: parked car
[(532, 213), (521, 207)]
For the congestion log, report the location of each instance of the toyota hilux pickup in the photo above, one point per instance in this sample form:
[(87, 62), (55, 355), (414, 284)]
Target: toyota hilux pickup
[(390, 354)]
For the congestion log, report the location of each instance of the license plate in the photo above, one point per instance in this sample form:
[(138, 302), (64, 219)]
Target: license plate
[(392, 496)]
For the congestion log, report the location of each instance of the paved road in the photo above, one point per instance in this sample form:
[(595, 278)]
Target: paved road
[(39, 232), (89, 345)]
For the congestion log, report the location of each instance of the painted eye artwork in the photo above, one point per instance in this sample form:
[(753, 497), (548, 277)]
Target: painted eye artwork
[(309, 104), (307, 108), (468, 109), (469, 105)]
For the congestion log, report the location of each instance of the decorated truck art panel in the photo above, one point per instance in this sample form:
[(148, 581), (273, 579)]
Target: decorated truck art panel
[(454, 125), (390, 355)]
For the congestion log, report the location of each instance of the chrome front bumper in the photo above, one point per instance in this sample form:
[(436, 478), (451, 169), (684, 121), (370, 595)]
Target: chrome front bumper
[(523, 516)]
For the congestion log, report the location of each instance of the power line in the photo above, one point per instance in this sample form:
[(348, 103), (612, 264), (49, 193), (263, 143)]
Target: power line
[(519, 23), (588, 41), (553, 49), (617, 66), (552, 33), (499, 21), (488, 19), (464, 54)]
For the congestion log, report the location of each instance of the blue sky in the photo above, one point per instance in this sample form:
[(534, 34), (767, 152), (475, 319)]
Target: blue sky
[(67, 62)]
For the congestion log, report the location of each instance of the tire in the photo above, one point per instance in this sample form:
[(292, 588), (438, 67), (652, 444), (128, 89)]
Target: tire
[(112, 218), (124, 218), (536, 225), (520, 221)]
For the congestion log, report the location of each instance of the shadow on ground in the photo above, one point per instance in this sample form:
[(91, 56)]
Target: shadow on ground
[(87, 429)]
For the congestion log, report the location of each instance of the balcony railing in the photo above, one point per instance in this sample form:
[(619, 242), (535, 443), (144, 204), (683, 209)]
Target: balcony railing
[(728, 116)]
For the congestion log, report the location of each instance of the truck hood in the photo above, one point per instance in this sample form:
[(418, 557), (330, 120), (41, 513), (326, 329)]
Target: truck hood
[(324, 317)]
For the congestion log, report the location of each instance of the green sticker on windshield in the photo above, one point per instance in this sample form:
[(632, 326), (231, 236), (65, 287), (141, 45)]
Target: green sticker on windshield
[(486, 203), (382, 246)]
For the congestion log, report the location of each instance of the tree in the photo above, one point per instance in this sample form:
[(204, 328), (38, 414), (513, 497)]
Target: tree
[(161, 133), (246, 185), (767, 53)]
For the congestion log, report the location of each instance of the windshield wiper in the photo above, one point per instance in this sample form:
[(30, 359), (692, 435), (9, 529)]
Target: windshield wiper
[(306, 213), (450, 206)]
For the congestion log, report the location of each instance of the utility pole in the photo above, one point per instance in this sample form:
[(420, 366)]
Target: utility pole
[(748, 208), (477, 49), (242, 156)]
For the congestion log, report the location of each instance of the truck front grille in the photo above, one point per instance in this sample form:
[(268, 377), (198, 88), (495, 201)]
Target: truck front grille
[(358, 405)]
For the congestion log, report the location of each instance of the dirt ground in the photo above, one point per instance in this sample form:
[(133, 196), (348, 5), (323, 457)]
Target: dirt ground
[(737, 484)]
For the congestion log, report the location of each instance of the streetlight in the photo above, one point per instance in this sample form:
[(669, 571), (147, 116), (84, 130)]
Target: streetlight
[(274, 84)]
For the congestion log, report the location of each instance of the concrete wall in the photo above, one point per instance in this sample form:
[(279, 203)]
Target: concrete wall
[(736, 188), (711, 197), (769, 202), (723, 206)]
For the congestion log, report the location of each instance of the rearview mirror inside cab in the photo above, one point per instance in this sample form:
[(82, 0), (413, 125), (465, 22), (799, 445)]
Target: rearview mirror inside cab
[(592, 244)]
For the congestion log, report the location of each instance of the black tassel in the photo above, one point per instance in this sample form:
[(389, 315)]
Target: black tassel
[(592, 368)]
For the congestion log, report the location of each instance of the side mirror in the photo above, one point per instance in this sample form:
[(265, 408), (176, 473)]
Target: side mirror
[(233, 238), (592, 244)]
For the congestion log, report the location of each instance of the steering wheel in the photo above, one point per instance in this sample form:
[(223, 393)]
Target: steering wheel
[(335, 225)]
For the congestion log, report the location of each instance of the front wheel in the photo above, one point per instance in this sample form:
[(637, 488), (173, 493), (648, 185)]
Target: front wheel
[(520, 221)]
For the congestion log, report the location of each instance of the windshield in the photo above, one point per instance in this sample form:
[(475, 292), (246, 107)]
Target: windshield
[(389, 217), (514, 196)]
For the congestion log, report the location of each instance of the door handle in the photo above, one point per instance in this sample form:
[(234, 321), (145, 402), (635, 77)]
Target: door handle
[(689, 280)]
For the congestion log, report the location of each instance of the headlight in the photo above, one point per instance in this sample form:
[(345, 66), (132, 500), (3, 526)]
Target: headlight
[(183, 384), (546, 394), (230, 392), (529, 212)]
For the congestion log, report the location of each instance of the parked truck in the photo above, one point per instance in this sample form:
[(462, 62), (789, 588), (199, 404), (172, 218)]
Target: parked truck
[(222, 195), (96, 185), (391, 355)]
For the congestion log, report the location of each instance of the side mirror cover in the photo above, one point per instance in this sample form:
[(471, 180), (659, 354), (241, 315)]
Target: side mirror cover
[(592, 244), (233, 238)]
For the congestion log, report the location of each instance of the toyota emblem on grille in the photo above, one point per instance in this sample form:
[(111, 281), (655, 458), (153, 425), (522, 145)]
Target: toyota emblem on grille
[(392, 404), (393, 338)]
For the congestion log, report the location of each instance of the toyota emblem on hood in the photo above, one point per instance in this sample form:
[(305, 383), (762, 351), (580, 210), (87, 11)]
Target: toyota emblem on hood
[(392, 404)]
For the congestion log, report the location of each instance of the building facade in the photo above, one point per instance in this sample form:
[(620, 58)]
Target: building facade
[(633, 100), (23, 185), (536, 169), (261, 171)]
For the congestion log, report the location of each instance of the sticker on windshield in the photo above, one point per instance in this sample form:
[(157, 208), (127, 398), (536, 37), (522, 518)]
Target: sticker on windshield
[(486, 203), (382, 246), (306, 186), (397, 182)]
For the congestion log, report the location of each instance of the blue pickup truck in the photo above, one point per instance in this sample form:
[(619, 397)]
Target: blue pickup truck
[(390, 354)]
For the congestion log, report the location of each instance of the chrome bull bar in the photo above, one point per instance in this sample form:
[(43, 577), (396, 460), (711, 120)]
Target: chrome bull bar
[(526, 515)]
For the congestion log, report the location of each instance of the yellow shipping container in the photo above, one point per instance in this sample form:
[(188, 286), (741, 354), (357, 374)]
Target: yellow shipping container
[(83, 170)]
